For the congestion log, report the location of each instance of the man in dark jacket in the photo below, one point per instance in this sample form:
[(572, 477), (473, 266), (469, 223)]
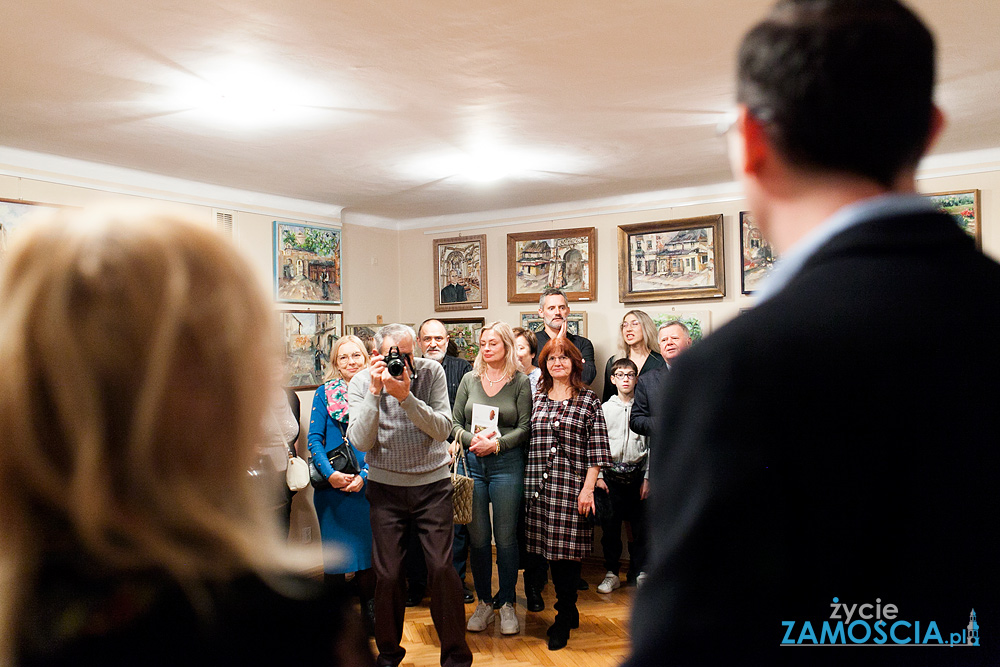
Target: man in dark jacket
[(829, 496)]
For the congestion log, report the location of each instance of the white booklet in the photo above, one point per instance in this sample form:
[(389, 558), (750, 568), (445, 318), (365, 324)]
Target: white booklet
[(485, 418)]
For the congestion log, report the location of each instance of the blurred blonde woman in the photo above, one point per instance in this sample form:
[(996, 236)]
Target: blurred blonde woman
[(496, 463), (637, 342), (133, 350)]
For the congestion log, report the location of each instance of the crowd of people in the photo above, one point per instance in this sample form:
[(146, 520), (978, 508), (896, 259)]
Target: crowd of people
[(537, 461)]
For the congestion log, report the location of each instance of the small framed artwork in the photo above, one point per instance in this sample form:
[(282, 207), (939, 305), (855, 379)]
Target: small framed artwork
[(460, 273), (464, 333), (757, 255), (306, 264), (309, 336), (963, 205), (16, 214), (563, 258), (671, 260), (576, 322), (698, 322)]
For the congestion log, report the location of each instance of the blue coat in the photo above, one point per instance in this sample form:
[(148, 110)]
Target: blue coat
[(343, 517)]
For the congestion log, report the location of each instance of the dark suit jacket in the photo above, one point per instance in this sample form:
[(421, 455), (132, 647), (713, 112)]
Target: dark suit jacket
[(453, 293), (838, 441), (648, 393), (455, 369), (583, 344)]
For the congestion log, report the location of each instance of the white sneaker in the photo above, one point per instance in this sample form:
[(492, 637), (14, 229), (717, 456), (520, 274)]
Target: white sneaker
[(610, 583), (640, 580), (508, 620), (481, 617)]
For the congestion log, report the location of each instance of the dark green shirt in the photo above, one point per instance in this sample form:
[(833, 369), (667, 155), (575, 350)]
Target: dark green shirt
[(513, 403)]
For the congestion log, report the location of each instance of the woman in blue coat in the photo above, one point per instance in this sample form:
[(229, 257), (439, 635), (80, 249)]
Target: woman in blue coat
[(342, 508)]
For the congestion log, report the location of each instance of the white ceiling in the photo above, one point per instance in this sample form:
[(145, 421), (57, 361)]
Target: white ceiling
[(594, 98)]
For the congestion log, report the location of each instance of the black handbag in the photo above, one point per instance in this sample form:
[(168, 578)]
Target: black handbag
[(341, 458), (602, 505)]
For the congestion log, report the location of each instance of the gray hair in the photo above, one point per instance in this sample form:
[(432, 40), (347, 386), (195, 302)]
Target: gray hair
[(551, 291), (394, 332), (674, 323)]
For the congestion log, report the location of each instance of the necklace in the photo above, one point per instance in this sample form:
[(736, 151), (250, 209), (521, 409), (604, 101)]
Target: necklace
[(493, 382)]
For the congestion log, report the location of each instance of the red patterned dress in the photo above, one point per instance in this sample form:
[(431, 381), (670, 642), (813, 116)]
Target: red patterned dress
[(567, 438)]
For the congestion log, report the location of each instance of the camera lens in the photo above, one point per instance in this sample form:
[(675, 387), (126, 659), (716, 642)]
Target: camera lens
[(395, 367)]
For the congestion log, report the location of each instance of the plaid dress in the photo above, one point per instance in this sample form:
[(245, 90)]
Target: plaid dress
[(567, 438)]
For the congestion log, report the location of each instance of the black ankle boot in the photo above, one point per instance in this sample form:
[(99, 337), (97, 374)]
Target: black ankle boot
[(535, 601), (558, 635)]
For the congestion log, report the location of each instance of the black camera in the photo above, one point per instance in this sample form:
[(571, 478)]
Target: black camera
[(396, 363)]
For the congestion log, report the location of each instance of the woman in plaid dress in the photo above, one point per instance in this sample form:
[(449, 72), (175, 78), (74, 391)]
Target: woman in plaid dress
[(569, 445)]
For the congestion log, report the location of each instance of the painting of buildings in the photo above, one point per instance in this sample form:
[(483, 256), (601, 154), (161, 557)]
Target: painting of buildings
[(758, 257), (460, 275), (566, 262), (307, 263), (673, 259), (309, 339)]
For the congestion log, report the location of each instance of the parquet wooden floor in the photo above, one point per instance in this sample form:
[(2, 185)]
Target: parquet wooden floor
[(601, 641)]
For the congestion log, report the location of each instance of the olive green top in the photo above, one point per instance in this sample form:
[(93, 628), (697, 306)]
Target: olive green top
[(513, 402)]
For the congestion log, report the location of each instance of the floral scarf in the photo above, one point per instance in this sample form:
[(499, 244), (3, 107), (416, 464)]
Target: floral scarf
[(336, 399)]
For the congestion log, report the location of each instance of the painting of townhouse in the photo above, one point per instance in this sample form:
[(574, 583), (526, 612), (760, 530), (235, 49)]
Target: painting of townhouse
[(964, 207), (15, 214), (671, 260), (308, 337), (576, 323), (306, 264), (366, 332), (464, 335), (756, 253), (460, 273), (564, 258)]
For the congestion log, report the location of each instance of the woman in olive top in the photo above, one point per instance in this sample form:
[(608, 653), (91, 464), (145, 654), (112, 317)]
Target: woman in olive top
[(496, 463), (636, 341)]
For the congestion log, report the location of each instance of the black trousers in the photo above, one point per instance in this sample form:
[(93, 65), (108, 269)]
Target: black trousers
[(626, 505), (566, 579)]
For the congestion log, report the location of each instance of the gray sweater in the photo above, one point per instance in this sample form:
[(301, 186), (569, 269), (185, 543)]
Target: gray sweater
[(405, 442)]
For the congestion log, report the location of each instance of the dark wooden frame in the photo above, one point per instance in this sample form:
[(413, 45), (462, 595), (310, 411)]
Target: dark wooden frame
[(483, 287)]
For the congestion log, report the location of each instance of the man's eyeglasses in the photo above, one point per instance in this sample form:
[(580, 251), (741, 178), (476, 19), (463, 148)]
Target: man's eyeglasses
[(624, 376)]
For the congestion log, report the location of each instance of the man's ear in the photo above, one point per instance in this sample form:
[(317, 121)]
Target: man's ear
[(938, 122), (753, 147)]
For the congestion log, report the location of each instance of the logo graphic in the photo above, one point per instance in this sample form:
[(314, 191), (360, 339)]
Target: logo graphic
[(874, 624)]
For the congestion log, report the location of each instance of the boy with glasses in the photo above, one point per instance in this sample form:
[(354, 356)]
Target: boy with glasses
[(625, 481)]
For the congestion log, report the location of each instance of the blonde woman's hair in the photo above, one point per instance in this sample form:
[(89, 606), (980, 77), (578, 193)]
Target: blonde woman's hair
[(332, 371), (648, 333), (506, 334), (135, 356)]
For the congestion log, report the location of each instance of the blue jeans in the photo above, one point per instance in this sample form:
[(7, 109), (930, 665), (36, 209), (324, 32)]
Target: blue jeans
[(499, 479)]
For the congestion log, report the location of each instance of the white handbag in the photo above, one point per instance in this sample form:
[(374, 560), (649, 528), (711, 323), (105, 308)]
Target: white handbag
[(297, 473)]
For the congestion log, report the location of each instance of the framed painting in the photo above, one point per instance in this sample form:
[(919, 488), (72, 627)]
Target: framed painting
[(309, 336), (460, 273), (464, 333), (563, 258), (756, 253), (576, 323), (671, 260), (698, 322), (963, 205), (306, 264), (15, 214)]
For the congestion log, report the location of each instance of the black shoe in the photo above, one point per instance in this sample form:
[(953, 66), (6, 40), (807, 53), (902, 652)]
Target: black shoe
[(558, 636), (535, 601), (581, 586), (414, 597), (496, 603), (467, 595)]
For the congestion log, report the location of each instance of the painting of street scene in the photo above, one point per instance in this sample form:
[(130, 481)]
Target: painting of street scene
[(758, 257), (309, 338), (964, 207), (564, 259), (460, 275), (673, 259), (306, 263)]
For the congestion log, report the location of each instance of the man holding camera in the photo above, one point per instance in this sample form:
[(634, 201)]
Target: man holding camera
[(400, 416)]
